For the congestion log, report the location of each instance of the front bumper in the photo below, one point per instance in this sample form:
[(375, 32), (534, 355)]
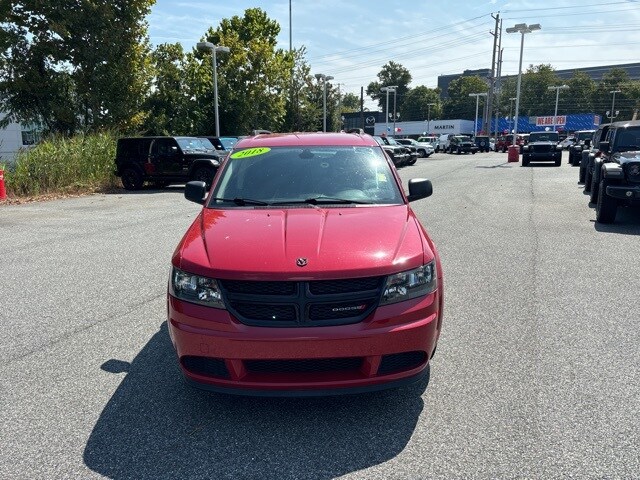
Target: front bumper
[(542, 156), (624, 192), (391, 347)]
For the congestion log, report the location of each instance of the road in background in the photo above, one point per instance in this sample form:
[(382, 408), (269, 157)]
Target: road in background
[(536, 373)]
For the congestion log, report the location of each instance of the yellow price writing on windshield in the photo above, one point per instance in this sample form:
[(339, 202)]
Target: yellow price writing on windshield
[(250, 152)]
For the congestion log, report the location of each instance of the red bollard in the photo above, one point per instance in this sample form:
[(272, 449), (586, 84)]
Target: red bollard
[(513, 153), (3, 191)]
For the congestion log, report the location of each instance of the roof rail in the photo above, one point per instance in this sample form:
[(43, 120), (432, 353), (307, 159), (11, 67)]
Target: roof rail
[(259, 132)]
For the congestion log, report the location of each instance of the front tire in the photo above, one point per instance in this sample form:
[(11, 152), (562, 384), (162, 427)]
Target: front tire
[(525, 161), (595, 185), (558, 162), (132, 179), (607, 207), (581, 174), (204, 174)]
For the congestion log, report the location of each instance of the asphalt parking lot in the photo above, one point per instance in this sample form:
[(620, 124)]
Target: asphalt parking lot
[(536, 373)]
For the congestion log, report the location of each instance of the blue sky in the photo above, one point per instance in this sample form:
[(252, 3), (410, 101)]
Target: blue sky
[(352, 39)]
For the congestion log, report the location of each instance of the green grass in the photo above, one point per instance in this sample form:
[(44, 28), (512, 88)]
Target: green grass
[(82, 163)]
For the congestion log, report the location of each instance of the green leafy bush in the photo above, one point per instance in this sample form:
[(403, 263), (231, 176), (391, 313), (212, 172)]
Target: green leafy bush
[(64, 165)]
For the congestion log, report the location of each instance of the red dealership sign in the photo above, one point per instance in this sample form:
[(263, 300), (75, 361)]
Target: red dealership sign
[(549, 120)]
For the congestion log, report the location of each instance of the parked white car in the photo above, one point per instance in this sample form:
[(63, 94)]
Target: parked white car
[(424, 149), (433, 141)]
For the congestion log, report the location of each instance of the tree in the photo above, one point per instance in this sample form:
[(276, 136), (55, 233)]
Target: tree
[(579, 97), (535, 96), (391, 74), (302, 107), (73, 64), (420, 103), (253, 79), (350, 103), (168, 105), (615, 79), (460, 104)]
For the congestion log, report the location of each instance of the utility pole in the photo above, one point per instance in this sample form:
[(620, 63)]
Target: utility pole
[(488, 108), (499, 84), (362, 108)]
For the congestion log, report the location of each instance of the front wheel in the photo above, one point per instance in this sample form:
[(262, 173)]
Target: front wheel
[(558, 162), (204, 174), (525, 162), (581, 174), (607, 207), (132, 179), (412, 161), (595, 187)]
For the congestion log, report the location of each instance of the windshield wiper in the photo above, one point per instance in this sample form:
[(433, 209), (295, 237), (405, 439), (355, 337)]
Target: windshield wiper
[(241, 202), (330, 200)]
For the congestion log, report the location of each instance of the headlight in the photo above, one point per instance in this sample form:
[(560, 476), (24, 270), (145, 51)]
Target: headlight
[(526, 147), (410, 284), (558, 147), (195, 289)]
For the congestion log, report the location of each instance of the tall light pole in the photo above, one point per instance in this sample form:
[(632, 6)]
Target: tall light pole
[(214, 49), (387, 89), (555, 114), (521, 28), (614, 114), (325, 79), (475, 124), (511, 100), (429, 117)]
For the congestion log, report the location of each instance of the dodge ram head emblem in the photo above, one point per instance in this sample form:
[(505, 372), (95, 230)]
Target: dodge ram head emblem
[(301, 262)]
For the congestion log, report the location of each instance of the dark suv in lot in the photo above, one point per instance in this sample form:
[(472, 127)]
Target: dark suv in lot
[(615, 171), (589, 156), (483, 143), (582, 142), (398, 153), (462, 144), (542, 147), (165, 160)]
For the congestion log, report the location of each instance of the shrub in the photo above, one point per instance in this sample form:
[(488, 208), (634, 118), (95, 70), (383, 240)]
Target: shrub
[(63, 165)]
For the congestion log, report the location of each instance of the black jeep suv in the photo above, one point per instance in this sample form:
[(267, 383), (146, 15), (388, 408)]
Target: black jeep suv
[(582, 141), (483, 143), (165, 160), (462, 144), (541, 147), (398, 153), (589, 156), (615, 171)]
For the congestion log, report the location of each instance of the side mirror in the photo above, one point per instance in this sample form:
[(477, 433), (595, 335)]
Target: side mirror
[(419, 188), (604, 147), (195, 192)]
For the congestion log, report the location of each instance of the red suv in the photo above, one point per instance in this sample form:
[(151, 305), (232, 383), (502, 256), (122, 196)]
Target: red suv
[(306, 272), (503, 142)]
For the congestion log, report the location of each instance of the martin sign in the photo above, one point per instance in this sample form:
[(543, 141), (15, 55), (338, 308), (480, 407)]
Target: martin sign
[(551, 120), (444, 127)]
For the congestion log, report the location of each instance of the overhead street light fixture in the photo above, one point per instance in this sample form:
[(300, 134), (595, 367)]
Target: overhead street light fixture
[(325, 79), (555, 114), (614, 114), (208, 46), (387, 89), (475, 124), (521, 28)]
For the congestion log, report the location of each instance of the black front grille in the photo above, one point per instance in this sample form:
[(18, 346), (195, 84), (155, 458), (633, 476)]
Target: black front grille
[(208, 367), (258, 311), (398, 362), (260, 288), (306, 304), (542, 148), (328, 287), (304, 366)]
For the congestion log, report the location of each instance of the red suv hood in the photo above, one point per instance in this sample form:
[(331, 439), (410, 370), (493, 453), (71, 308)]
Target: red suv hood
[(265, 244)]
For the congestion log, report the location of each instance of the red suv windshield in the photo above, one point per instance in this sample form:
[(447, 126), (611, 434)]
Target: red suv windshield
[(292, 175)]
